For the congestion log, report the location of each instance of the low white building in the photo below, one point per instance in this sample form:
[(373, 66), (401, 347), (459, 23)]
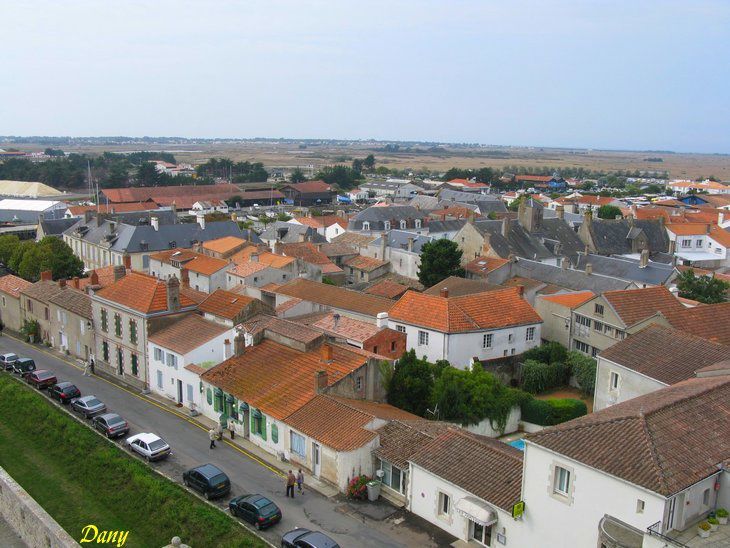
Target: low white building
[(181, 351), (481, 326), (699, 244), (211, 206), (201, 272)]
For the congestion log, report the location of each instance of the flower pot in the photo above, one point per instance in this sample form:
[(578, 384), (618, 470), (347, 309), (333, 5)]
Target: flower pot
[(723, 521), (373, 490), (702, 533), (714, 526)]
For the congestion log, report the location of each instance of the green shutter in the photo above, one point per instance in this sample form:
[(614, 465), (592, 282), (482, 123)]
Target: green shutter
[(209, 396), (134, 364), (263, 427), (274, 433)]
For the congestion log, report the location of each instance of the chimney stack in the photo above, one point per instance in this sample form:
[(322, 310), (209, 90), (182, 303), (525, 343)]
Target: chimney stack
[(127, 261), (62, 283), (226, 349), (75, 282), (720, 219), (94, 278), (320, 381), (564, 263), (410, 243), (239, 344), (200, 218), (383, 244), (173, 294), (644, 261), (119, 272), (560, 211), (185, 277), (46, 276), (254, 257), (326, 353), (336, 320), (521, 291), (381, 320), (155, 222), (589, 269), (588, 217), (444, 292), (505, 226), (174, 208)]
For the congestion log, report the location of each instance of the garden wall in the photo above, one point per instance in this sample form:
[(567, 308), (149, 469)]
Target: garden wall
[(484, 428)]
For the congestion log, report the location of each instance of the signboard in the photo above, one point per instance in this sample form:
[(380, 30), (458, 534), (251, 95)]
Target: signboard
[(518, 509)]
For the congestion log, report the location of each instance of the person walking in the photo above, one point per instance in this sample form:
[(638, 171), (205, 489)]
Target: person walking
[(2, 326), (212, 434), (91, 365), (290, 481), (300, 480), (232, 428), (87, 368)]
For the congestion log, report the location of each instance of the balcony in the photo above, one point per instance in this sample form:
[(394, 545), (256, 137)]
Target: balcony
[(689, 537)]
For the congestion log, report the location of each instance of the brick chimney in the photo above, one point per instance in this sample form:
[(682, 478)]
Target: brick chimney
[(127, 261), (185, 277), (521, 291), (321, 379), (644, 261), (226, 349), (46, 276), (326, 352), (173, 294), (119, 272), (444, 292), (560, 210), (62, 283), (239, 344), (75, 282), (94, 278)]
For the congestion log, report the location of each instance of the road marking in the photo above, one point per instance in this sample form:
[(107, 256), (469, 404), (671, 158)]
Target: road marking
[(159, 406)]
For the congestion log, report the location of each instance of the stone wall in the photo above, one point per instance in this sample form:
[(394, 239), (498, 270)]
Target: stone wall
[(29, 520)]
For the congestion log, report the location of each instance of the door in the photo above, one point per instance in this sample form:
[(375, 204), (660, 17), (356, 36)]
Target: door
[(179, 392), (316, 457), (120, 361), (246, 423), (669, 524)]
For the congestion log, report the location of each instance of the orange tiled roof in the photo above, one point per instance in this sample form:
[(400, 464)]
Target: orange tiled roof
[(485, 265), (355, 330), (709, 321), (387, 288), (368, 264), (478, 311), (310, 187), (179, 254), (569, 300), (246, 269), (335, 297), (323, 221), (720, 235), (223, 245), (79, 210), (278, 379), (202, 264), (13, 285), (454, 211), (688, 229), (265, 257), (141, 292), (187, 333), (309, 253), (634, 305), (225, 304)]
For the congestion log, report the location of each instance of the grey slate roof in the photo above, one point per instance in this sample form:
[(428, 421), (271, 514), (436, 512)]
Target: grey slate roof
[(627, 269), (576, 280), (467, 197), (288, 233), (557, 230), (450, 225), (424, 202), (55, 227), (399, 239), (611, 236), (129, 238), (377, 216), (518, 242), (574, 219), (491, 206)]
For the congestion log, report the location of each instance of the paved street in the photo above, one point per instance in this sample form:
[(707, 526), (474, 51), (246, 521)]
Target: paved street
[(190, 447)]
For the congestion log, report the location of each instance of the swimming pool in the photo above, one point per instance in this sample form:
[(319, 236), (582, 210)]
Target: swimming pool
[(519, 444)]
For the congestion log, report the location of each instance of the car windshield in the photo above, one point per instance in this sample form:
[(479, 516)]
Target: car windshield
[(69, 389), (157, 444), (113, 421), (218, 478), (261, 503), (46, 375), (93, 402), (268, 510)]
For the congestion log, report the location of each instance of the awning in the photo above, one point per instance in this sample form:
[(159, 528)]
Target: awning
[(474, 509), (256, 414), (244, 407)]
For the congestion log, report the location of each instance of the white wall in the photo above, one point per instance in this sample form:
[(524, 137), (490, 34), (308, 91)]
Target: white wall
[(630, 384), (486, 428), (548, 518)]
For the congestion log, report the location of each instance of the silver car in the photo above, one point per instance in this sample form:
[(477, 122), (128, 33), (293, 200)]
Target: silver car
[(88, 406), (7, 360), (149, 445)]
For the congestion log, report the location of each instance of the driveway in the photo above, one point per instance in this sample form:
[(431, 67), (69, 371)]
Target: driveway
[(190, 445)]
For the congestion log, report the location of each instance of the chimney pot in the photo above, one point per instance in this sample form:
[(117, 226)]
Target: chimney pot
[(321, 381), (200, 218), (173, 294), (239, 344), (326, 353), (46, 275), (127, 261), (521, 291), (444, 292), (185, 277), (226, 349), (381, 320), (644, 261), (62, 283), (75, 282)]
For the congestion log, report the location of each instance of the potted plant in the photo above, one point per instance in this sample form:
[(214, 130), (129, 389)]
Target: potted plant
[(721, 515), (714, 524), (703, 529)]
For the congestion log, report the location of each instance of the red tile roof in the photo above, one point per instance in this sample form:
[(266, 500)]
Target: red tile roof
[(569, 300), (484, 265), (278, 379), (187, 333), (634, 305), (13, 285), (668, 440), (709, 321), (246, 269), (355, 330), (141, 194), (224, 245), (308, 252), (311, 187), (335, 297), (79, 210), (367, 264), (225, 304), (401, 439), (387, 288), (478, 311), (323, 221), (141, 292)]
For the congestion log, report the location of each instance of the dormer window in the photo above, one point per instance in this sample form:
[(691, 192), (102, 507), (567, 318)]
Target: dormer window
[(365, 225), (403, 225), (418, 223), (386, 225)]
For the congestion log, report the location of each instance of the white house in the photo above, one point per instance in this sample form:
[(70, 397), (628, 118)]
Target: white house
[(329, 226), (481, 326), (181, 351), (699, 244), (201, 272), (211, 206)]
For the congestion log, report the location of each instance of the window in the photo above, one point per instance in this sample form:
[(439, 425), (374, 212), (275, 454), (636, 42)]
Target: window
[(444, 504), (506, 352), (583, 320), (639, 506), (598, 309), (4, 302), (159, 379), (512, 351), (375, 349), (530, 335), (400, 328), (698, 243), (105, 351), (366, 225), (481, 533), (133, 331), (561, 482), (259, 424), (159, 354), (403, 225), (511, 337), (706, 497), (393, 346), (594, 352), (422, 338), (393, 477), (614, 381), (135, 365), (598, 326), (418, 223), (620, 335), (386, 225), (30, 306), (358, 380), (274, 433), (172, 360), (487, 340), (297, 444), (47, 313), (583, 347), (687, 243), (190, 392), (118, 325)]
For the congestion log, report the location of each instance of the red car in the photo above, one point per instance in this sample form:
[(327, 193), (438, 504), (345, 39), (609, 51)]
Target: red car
[(64, 392), (41, 378)]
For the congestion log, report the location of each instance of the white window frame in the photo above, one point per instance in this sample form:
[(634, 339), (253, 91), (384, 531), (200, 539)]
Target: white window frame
[(687, 242), (418, 223), (423, 338), (530, 334), (614, 381), (294, 446), (365, 225), (487, 340), (400, 328), (159, 354), (443, 497), (561, 481), (386, 225), (403, 224)]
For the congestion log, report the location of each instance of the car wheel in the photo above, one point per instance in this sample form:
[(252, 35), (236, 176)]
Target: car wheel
[(258, 526), (147, 457), (206, 495), (185, 483)]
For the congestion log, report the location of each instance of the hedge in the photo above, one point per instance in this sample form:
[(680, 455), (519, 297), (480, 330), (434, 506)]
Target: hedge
[(584, 369), (538, 377), (552, 411)]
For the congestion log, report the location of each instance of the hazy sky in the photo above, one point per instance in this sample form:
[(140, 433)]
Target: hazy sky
[(611, 74)]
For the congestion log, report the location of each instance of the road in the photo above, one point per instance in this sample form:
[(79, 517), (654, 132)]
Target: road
[(190, 445)]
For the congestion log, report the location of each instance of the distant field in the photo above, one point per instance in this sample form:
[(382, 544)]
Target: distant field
[(289, 155)]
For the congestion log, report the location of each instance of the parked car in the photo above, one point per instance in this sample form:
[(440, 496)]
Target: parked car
[(41, 378), (64, 392), (304, 538), (88, 406), (207, 479), (23, 366), (255, 509), (7, 360), (150, 446), (111, 425)]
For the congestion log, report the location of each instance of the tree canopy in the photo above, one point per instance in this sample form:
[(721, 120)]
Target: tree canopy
[(344, 177), (411, 384), (439, 260), (609, 212), (297, 176), (29, 258), (237, 172), (705, 289)]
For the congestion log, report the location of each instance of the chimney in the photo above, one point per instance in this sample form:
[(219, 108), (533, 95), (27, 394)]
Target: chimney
[(588, 217), (630, 219), (75, 282), (560, 211), (505, 226), (586, 250), (707, 230), (381, 320), (320, 381), (471, 217), (336, 319), (155, 222), (46, 276), (302, 237), (185, 277), (254, 258), (444, 292), (119, 272), (383, 244), (226, 349), (564, 263), (720, 219), (62, 283), (173, 294), (672, 246), (249, 234), (234, 217), (239, 344), (410, 243), (633, 211), (93, 278), (326, 353), (112, 226), (88, 215), (174, 208), (200, 218), (521, 291), (589, 269), (644, 261), (127, 261)]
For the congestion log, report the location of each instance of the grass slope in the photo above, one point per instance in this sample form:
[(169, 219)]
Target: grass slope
[(81, 479)]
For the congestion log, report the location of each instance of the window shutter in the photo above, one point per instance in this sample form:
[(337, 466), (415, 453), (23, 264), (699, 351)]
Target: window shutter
[(263, 427), (209, 396)]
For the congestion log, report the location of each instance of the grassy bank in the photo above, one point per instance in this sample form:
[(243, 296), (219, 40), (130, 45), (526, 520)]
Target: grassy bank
[(81, 479)]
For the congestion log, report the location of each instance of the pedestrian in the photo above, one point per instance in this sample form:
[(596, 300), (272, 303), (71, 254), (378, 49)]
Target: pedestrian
[(212, 434), (87, 368), (218, 431), (2, 326), (290, 481), (300, 480), (232, 428), (91, 365)]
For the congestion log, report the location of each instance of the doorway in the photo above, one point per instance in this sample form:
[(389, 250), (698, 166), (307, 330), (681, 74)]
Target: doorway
[(179, 392), (316, 458)]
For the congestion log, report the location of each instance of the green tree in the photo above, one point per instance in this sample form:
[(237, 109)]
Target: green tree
[(51, 253), (297, 176), (439, 259), (369, 162), (411, 384), (147, 174), (8, 244), (344, 177), (705, 289), (609, 212), (357, 165), (18, 253), (514, 205)]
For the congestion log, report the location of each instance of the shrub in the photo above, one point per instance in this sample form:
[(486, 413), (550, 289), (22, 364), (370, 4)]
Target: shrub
[(549, 352), (538, 377), (357, 489), (552, 411), (713, 521), (704, 526), (584, 369), (721, 513)]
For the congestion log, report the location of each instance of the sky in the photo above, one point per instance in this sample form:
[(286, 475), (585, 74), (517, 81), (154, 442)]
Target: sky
[(648, 75)]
